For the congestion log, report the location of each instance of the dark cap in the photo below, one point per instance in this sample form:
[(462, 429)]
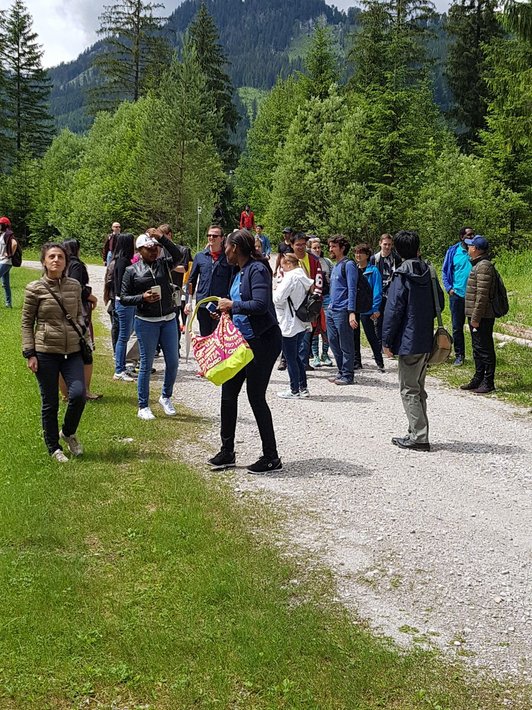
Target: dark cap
[(287, 230), (479, 242)]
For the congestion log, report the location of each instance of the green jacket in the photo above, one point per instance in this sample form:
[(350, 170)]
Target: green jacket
[(478, 290), (44, 326)]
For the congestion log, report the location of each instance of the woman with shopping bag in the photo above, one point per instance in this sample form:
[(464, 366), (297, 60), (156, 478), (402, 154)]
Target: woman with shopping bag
[(251, 307)]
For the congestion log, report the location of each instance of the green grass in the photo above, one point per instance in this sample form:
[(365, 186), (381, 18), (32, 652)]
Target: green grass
[(130, 580)]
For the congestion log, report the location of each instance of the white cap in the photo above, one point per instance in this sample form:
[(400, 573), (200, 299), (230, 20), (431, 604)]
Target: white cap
[(146, 241)]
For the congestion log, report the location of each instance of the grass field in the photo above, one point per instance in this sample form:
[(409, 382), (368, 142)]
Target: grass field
[(131, 581)]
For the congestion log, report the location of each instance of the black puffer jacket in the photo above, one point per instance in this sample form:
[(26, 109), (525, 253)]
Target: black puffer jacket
[(140, 277)]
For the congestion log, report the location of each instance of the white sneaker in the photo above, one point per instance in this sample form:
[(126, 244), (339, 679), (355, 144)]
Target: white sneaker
[(166, 404), (75, 448), (145, 413), (123, 376), (304, 393), (288, 394), (58, 455)]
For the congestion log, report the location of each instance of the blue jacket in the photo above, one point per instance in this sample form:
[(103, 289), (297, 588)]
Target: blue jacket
[(408, 325), (209, 277), (344, 281), (374, 278), (256, 297), (447, 271)]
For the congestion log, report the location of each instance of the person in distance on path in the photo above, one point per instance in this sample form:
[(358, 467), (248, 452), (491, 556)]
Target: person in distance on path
[(407, 332)]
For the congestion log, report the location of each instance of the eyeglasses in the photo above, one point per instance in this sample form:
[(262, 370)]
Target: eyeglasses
[(214, 236)]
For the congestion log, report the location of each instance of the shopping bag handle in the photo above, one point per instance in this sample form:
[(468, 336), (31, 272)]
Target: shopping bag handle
[(209, 299)]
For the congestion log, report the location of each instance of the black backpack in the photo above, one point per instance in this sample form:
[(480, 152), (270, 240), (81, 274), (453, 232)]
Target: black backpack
[(309, 310), (364, 299), (498, 296), (16, 256)]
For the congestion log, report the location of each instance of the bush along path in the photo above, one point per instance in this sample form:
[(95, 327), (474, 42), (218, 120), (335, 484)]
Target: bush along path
[(131, 580)]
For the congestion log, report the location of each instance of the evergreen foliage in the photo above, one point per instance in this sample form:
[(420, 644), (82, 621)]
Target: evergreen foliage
[(204, 38), (134, 52), (25, 122), (472, 25), (321, 64)]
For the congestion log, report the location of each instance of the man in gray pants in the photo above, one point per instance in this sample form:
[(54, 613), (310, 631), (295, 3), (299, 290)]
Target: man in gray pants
[(407, 332)]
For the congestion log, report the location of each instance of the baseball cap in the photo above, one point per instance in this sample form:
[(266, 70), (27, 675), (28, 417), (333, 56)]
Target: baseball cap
[(5, 220), (287, 230), (479, 242), (146, 241)]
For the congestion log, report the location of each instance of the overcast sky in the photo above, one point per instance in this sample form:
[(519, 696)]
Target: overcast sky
[(67, 27)]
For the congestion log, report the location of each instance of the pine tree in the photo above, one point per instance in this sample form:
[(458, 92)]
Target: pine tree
[(472, 25), (26, 121), (135, 53), (204, 37), (321, 64), (518, 18)]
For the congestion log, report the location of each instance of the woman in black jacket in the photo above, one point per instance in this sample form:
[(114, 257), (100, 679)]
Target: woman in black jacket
[(122, 255), (253, 312), (77, 270), (148, 286)]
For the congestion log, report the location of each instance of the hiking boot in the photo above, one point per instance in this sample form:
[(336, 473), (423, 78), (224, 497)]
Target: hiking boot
[(471, 385), (59, 456), (223, 459), (265, 465), (282, 365), (145, 413), (166, 404), (484, 388), (75, 448), (288, 394)]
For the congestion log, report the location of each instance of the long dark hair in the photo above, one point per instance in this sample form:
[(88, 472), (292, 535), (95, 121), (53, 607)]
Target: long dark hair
[(124, 247), (71, 246), (245, 241)]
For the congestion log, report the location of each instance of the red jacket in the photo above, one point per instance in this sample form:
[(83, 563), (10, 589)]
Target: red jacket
[(247, 220)]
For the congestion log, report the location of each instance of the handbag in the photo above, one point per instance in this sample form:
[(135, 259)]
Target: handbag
[(85, 347), (442, 341), (223, 353)]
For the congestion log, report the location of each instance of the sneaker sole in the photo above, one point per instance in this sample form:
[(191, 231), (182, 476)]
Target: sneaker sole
[(221, 467), (270, 470)]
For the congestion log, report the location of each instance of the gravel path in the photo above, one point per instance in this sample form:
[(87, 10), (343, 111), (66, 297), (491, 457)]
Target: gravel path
[(428, 547)]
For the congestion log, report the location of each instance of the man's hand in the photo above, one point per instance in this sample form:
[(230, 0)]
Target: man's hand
[(353, 321), (375, 316), (387, 352), (33, 363), (475, 323), (451, 292)]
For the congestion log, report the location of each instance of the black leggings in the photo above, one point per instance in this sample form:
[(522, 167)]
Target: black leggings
[(266, 349), (71, 367)]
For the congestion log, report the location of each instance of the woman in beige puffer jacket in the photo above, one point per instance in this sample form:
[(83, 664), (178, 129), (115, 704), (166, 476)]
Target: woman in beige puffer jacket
[(51, 346)]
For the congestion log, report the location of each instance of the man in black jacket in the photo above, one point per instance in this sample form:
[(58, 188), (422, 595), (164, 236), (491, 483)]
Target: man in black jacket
[(408, 333), (386, 260)]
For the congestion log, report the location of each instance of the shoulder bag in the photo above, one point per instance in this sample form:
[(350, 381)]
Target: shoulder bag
[(84, 346), (442, 341)]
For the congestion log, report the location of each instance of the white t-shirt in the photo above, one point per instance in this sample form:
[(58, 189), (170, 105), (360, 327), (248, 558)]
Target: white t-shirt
[(4, 258)]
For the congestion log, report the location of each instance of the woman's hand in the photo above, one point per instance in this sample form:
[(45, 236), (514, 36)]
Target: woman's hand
[(93, 301), (225, 305), (33, 364), (151, 297), (353, 321)]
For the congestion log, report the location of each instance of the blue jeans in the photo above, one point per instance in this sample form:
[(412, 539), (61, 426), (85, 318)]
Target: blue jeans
[(342, 343), (294, 352), (4, 276), (149, 333), (457, 304), (125, 316)]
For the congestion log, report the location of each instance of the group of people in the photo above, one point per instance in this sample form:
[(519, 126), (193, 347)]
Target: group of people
[(265, 305)]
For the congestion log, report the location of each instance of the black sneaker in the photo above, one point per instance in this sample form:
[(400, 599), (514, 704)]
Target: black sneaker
[(223, 459), (265, 465)]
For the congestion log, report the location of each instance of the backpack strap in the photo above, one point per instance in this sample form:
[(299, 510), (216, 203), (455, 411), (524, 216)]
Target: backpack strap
[(433, 279)]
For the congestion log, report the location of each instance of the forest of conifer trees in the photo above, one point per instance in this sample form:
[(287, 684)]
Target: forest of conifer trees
[(356, 142)]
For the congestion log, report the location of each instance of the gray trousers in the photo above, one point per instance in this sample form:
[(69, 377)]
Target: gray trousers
[(412, 373)]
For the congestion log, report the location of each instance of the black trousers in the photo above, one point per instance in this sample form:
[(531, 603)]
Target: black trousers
[(266, 349), (484, 351), (373, 339), (207, 325), (50, 367)]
